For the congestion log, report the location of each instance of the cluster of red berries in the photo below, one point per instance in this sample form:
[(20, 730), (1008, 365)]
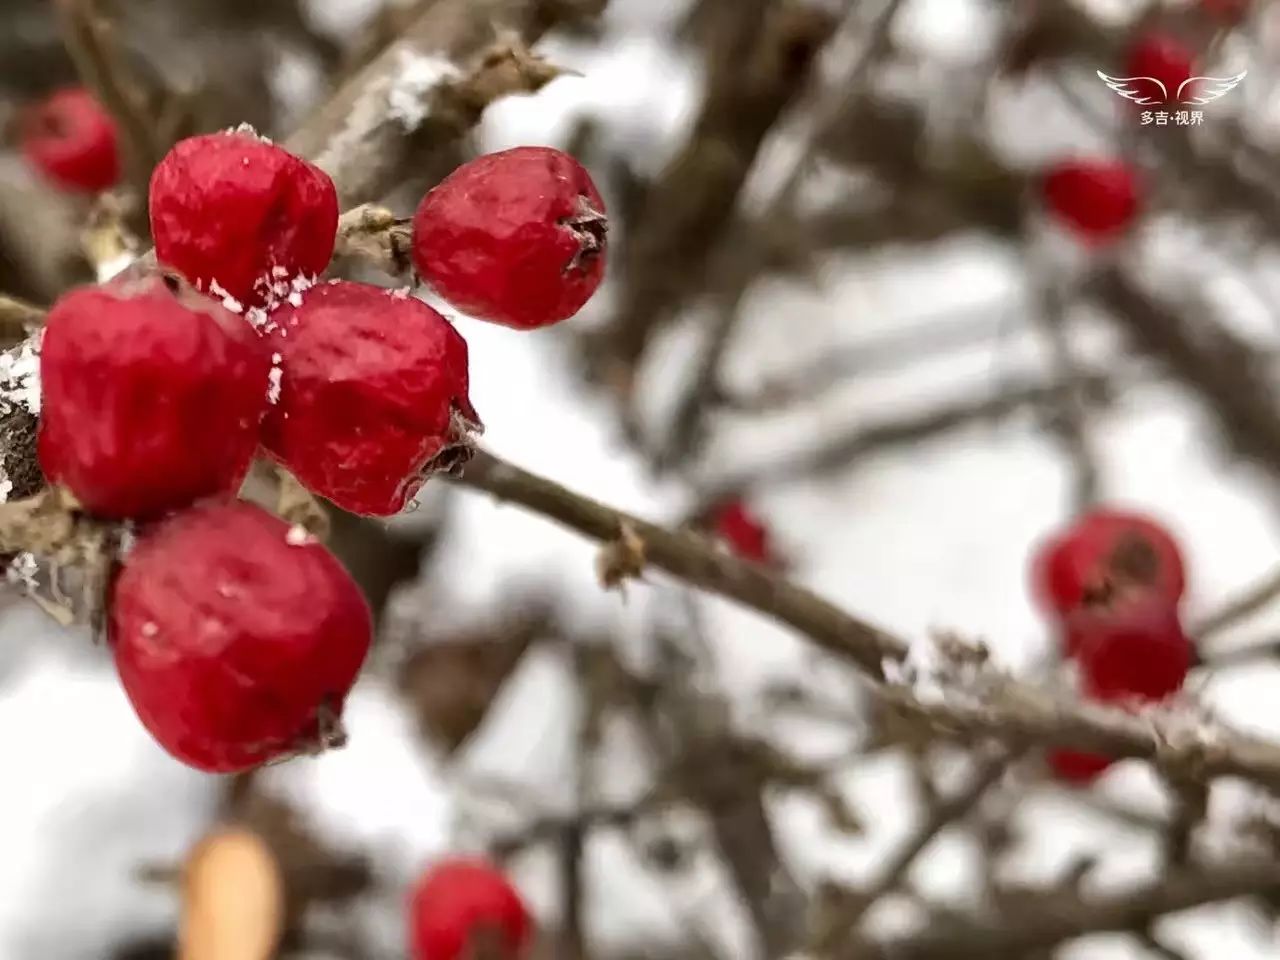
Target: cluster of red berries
[(463, 908), (1098, 198), (1112, 584), (237, 638)]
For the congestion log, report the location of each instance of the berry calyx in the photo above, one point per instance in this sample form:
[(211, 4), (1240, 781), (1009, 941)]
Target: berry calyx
[(373, 397), (235, 213), (743, 532), (516, 237), (1095, 199), (236, 637), (1139, 653), (1104, 558), (463, 908), (1077, 767), (151, 396), (72, 140), (1163, 57)]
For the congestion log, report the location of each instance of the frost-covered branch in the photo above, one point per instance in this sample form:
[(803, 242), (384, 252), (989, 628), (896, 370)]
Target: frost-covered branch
[(428, 87)]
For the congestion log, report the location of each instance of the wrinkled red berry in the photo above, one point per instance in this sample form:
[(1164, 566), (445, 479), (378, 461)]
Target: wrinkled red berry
[(1077, 767), (1138, 653), (1104, 556), (152, 396), (373, 397), (71, 139), (1162, 57), (516, 237), (236, 636), (462, 908), (735, 524), (235, 210), (1095, 199)]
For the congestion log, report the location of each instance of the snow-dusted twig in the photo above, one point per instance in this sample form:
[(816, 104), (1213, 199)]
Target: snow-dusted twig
[(429, 86), (1065, 918), (978, 701)]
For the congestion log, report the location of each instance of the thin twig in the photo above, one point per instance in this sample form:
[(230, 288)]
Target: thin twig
[(1041, 929), (1253, 600), (1072, 422), (994, 705), (104, 70), (704, 386), (17, 320)]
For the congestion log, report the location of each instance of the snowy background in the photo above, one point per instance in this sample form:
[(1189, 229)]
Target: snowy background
[(934, 535)]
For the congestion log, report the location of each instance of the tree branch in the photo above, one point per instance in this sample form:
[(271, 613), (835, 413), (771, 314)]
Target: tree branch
[(975, 703), (1041, 929)]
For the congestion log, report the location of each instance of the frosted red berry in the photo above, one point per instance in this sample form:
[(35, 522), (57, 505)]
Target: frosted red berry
[(72, 141), (1077, 767), (234, 210), (1095, 199), (745, 534), (1104, 557), (465, 908), (151, 396), (1137, 653), (517, 237), (236, 636), (1162, 57), (373, 395)]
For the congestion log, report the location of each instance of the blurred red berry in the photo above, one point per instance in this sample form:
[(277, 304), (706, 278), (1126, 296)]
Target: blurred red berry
[(1076, 767), (516, 237), (745, 534), (72, 140), (465, 908), (1138, 653), (236, 636), (1095, 199), (151, 396), (1104, 557), (238, 211), (1228, 11), (1162, 57), (373, 397)]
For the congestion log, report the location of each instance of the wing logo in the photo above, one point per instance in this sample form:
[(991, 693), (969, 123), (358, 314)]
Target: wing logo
[(1148, 91)]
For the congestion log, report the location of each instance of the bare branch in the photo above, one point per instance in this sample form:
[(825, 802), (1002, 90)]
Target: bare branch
[(1039, 929)]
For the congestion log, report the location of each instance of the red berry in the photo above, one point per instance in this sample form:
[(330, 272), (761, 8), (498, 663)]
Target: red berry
[(1095, 199), (1107, 555), (516, 237), (1228, 11), (1139, 653), (235, 210), (373, 398), (1076, 767), (152, 396), (71, 139), (736, 525), (1162, 57), (462, 908), (236, 639)]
